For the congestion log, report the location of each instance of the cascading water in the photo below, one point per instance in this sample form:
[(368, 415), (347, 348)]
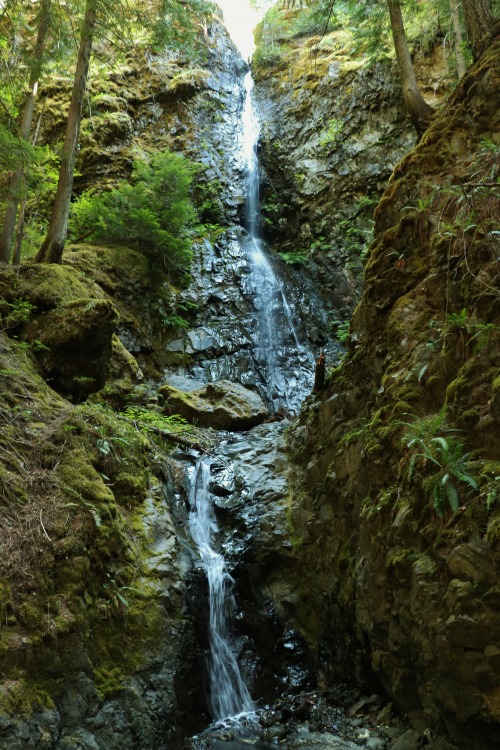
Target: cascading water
[(285, 368), (279, 350), (229, 695)]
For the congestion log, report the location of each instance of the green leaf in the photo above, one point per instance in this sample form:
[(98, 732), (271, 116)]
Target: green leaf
[(441, 441), (438, 497), (452, 495), (121, 599)]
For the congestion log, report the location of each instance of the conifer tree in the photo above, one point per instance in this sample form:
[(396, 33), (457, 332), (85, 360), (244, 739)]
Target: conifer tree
[(52, 248), (9, 221), (479, 24), (420, 112)]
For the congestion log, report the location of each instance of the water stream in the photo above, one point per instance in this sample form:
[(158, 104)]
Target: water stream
[(284, 366), (229, 695), (285, 363)]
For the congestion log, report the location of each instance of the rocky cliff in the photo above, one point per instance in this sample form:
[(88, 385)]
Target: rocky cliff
[(334, 127), (391, 565), (98, 646)]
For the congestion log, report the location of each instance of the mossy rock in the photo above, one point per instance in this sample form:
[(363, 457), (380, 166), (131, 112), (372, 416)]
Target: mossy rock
[(74, 344), (46, 285), (222, 405)]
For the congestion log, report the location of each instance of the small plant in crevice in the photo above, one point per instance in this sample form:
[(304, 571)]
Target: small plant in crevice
[(470, 333), (331, 134), (436, 457), (340, 329), (297, 258), (17, 313), (174, 321), (148, 420)]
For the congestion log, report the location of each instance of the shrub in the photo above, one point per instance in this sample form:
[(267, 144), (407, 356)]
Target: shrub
[(152, 212)]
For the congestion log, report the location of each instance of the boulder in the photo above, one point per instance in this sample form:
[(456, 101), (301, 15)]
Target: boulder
[(222, 405)]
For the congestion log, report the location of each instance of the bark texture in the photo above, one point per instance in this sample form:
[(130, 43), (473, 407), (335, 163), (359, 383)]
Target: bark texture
[(16, 182), (458, 39), (479, 25), (52, 248), (420, 112)]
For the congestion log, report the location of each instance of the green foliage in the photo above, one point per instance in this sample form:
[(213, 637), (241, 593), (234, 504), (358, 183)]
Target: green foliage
[(341, 329), (357, 238), (179, 25), (175, 321), (18, 313), (436, 454), (273, 210), (470, 333), (294, 258), (150, 421), (153, 212), (331, 134), (206, 198)]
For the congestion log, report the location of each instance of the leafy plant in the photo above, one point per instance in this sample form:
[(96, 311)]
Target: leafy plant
[(19, 313), (150, 421), (331, 134), (436, 451), (152, 212), (341, 329), (177, 322), (294, 258)]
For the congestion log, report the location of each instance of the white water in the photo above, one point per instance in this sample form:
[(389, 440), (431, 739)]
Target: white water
[(229, 695), (278, 342)]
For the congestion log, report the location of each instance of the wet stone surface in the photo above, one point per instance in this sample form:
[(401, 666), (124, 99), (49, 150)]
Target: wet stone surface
[(316, 720)]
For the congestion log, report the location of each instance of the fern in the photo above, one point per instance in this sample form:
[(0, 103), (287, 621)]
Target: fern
[(440, 458)]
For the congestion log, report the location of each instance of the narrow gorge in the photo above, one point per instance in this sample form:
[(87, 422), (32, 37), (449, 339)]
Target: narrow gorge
[(250, 494)]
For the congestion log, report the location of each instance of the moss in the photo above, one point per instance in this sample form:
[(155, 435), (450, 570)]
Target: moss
[(32, 616), (81, 480), (21, 698), (114, 651), (493, 531), (46, 285), (188, 83), (129, 487)]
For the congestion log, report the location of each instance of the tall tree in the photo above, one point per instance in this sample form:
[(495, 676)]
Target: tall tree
[(24, 131), (52, 248), (420, 112), (458, 38), (479, 24)]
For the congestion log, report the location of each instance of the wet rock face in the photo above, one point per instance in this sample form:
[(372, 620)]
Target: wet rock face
[(226, 344), (250, 491), (332, 131)]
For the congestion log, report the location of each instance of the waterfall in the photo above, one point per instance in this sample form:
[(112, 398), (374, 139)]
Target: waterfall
[(284, 367), (282, 357), (228, 693)]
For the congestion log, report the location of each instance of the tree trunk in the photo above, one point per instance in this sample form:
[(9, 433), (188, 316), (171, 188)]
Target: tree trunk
[(16, 181), (458, 39), (479, 24), (52, 248), (420, 112)]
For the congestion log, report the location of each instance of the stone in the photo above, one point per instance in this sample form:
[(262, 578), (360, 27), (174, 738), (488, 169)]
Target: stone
[(409, 740), (467, 632), (321, 741), (469, 562), (74, 344), (375, 743), (222, 405)]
